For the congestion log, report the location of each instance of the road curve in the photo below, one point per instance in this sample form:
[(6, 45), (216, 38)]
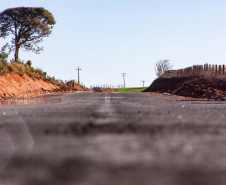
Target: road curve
[(112, 138)]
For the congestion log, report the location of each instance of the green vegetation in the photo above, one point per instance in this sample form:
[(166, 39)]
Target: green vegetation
[(28, 27), (21, 68), (131, 89), (25, 68)]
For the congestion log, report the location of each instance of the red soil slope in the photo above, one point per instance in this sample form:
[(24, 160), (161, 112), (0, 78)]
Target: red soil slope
[(108, 90), (15, 86)]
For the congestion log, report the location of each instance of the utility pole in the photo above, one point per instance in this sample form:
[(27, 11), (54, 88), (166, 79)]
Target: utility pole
[(123, 75), (78, 73), (143, 82)]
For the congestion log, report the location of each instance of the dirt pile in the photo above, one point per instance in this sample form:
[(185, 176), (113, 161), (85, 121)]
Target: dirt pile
[(195, 87), (108, 90), (77, 87)]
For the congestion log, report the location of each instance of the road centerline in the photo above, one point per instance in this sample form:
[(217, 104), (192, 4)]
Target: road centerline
[(105, 114)]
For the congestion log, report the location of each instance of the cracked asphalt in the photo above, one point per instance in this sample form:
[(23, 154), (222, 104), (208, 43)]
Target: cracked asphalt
[(112, 138)]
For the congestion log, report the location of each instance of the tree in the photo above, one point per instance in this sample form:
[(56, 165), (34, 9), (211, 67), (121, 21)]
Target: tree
[(28, 26), (162, 66)]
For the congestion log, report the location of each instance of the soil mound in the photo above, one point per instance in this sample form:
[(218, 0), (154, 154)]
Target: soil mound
[(195, 87), (108, 90), (77, 87)]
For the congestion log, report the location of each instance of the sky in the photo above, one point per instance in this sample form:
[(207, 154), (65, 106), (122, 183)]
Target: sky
[(106, 38)]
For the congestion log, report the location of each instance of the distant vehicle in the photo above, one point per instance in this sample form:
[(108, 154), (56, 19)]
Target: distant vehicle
[(97, 89)]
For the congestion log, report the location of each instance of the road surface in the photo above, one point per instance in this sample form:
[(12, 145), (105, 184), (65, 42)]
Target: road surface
[(112, 139)]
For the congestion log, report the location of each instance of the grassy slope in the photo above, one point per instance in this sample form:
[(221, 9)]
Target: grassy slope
[(131, 89)]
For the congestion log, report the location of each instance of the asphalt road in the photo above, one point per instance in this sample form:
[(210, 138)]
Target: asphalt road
[(112, 139)]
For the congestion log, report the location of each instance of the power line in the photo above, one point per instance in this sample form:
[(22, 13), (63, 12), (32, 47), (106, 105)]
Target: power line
[(123, 75), (78, 74)]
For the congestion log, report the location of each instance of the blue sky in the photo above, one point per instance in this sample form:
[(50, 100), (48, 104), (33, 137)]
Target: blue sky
[(109, 37)]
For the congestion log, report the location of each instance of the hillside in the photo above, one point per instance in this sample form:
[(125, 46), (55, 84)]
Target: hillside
[(20, 79), (12, 85)]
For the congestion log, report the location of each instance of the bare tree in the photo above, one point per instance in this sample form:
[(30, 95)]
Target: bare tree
[(162, 66)]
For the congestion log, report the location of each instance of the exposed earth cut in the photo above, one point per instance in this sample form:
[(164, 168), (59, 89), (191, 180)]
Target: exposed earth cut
[(195, 87), (15, 86), (109, 90)]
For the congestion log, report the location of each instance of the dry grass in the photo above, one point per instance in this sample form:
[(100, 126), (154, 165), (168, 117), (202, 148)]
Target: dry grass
[(21, 68)]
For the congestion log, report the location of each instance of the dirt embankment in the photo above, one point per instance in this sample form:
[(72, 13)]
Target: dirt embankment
[(14, 86), (77, 87), (195, 87), (108, 90)]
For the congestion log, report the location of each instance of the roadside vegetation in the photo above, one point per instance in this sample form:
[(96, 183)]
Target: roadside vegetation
[(27, 26), (25, 68), (162, 66), (131, 89)]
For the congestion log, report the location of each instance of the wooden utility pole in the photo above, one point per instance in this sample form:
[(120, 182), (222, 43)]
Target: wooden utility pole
[(123, 75), (78, 74), (143, 82)]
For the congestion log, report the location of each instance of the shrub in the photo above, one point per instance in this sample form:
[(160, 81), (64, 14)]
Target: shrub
[(40, 73), (20, 68), (1, 68), (28, 70), (28, 63), (32, 69), (11, 68)]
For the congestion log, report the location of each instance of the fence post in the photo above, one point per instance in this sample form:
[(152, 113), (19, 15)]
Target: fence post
[(193, 69), (216, 68), (201, 67), (207, 67), (219, 69)]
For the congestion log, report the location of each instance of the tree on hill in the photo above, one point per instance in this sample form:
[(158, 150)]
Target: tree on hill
[(162, 66), (28, 26)]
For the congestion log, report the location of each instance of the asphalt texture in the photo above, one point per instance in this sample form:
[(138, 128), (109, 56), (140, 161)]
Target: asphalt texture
[(112, 139)]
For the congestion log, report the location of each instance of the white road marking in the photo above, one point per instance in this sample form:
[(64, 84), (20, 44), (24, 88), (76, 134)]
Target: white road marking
[(105, 114)]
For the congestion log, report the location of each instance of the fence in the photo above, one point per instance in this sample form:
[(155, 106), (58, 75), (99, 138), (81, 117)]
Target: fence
[(197, 70), (103, 86)]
